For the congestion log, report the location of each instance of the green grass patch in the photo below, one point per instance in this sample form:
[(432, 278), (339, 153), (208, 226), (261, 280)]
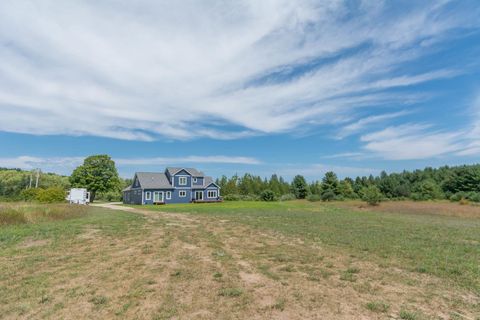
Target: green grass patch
[(377, 306), (230, 292)]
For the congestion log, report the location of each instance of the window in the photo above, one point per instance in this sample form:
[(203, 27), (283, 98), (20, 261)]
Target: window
[(182, 194), (148, 195), (211, 193), (169, 195), (182, 181), (195, 180)]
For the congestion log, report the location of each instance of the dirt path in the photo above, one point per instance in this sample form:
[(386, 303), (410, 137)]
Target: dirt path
[(181, 266)]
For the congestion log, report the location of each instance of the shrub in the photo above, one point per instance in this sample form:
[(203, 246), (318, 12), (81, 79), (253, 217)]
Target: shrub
[(232, 197), (249, 197), (372, 195), (287, 197), (314, 197), (51, 195), (427, 190), (110, 196), (29, 194), (457, 196), (240, 197), (268, 195), (328, 195), (474, 196)]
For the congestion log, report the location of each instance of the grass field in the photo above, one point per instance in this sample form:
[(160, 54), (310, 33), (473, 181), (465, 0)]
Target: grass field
[(237, 260)]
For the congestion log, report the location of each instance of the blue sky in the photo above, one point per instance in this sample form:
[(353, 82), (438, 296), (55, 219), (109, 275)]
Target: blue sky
[(264, 87)]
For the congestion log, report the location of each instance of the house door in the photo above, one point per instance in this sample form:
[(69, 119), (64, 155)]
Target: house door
[(198, 195), (158, 196)]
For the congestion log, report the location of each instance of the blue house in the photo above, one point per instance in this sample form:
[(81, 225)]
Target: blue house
[(175, 185)]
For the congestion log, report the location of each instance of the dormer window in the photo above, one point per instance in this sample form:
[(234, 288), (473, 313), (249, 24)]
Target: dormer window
[(182, 181)]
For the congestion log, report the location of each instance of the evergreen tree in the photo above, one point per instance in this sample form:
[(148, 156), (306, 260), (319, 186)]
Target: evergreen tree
[(299, 187), (330, 184)]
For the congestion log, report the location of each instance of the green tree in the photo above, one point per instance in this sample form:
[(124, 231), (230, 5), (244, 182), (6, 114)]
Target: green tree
[(97, 174), (329, 185), (345, 189), (299, 187), (426, 190), (372, 195)]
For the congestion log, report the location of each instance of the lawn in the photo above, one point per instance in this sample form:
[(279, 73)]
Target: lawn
[(441, 245), (241, 260)]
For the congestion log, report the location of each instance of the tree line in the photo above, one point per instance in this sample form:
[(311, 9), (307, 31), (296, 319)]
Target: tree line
[(453, 183), (99, 175)]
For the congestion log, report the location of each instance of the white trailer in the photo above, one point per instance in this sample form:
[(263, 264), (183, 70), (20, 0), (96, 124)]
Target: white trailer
[(78, 196)]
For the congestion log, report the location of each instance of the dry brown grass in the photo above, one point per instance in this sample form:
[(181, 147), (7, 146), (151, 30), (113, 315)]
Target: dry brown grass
[(445, 208), (194, 267), (18, 213)]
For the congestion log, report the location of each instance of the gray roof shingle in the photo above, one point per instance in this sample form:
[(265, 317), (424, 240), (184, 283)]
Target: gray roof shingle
[(194, 172), (153, 180), (159, 180)]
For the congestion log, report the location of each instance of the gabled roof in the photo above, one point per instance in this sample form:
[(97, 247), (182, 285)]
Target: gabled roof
[(153, 180), (208, 181), (194, 172)]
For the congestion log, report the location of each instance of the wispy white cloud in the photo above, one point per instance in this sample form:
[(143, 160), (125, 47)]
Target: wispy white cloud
[(412, 141), (188, 159), (65, 165), (364, 123), (143, 69)]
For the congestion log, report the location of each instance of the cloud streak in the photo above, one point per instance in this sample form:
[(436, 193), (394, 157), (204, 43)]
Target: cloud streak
[(66, 164), (146, 69)]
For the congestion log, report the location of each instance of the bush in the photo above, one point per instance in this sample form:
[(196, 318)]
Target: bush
[(232, 197), (427, 190), (287, 197), (29, 194), (328, 195), (110, 196), (458, 196), (474, 196), (268, 195), (240, 197), (372, 195), (51, 195), (313, 197)]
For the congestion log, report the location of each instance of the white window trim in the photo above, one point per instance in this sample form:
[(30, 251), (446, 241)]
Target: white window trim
[(180, 181), (184, 193), (168, 195), (148, 195), (214, 192)]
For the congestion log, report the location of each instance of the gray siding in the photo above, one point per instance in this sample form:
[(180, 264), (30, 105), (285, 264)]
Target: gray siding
[(133, 196), (199, 182)]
